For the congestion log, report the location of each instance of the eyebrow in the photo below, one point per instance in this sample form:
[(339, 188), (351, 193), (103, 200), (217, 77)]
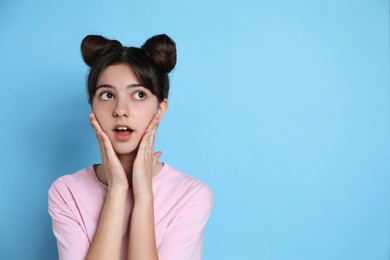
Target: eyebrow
[(109, 86)]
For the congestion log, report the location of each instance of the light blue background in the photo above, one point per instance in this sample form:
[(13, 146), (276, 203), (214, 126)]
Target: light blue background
[(282, 107)]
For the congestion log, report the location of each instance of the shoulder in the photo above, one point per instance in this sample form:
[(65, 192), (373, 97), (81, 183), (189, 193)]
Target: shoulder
[(186, 187), (68, 187), (183, 205), (74, 179)]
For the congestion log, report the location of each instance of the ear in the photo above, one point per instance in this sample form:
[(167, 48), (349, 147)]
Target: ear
[(162, 108)]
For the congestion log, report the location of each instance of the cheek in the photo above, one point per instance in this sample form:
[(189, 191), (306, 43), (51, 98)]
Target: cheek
[(101, 116), (144, 122), (144, 118)]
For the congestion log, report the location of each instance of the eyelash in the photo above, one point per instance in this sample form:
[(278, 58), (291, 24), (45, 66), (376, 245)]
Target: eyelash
[(106, 93), (135, 95)]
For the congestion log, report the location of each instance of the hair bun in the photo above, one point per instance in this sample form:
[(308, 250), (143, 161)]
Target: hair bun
[(162, 50), (93, 46)]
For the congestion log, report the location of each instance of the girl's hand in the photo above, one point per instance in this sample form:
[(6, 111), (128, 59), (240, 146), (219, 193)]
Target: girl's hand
[(145, 161), (113, 169)]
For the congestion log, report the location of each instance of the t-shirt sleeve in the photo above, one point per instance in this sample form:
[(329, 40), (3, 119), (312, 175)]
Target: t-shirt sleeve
[(184, 236), (72, 241)]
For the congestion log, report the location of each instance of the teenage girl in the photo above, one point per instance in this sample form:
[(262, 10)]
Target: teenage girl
[(131, 206)]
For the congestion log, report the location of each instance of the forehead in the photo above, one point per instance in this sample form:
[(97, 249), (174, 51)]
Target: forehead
[(117, 75)]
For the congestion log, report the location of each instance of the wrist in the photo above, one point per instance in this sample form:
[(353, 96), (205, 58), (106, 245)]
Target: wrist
[(143, 198), (117, 190)]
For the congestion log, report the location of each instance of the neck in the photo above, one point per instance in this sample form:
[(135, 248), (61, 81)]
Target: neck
[(127, 162)]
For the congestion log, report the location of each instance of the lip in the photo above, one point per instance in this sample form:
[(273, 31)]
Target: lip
[(123, 135), (122, 125)]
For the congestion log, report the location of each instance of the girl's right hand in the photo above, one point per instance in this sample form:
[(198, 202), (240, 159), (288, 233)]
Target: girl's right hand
[(113, 169)]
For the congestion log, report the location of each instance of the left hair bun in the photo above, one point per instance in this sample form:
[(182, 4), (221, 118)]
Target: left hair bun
[(94, 46)]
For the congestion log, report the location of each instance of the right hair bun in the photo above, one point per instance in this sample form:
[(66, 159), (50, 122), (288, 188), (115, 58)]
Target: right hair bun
[(93, 46), (162, 50)]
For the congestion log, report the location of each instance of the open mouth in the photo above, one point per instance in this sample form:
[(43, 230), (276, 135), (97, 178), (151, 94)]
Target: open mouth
[(122, 132)]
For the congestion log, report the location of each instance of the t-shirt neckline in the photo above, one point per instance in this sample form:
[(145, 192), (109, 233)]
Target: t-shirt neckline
[(96, 180)]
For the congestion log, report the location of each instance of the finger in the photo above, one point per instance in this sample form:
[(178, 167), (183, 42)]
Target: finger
[(101, 136), (154, 125), (153, 122), (153, 135), (108, 149), (156, 156), (91, 121), (96, 129), (95, 125), (143, 144), (146, 137)]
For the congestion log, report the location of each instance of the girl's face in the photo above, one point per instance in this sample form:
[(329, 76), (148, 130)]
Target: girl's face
[(124, 108)]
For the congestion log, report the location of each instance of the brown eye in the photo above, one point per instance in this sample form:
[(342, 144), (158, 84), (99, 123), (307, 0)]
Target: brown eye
[(139, 95), (106, 96)]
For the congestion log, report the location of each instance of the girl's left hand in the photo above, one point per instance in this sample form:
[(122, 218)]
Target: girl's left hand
[(145, 162)]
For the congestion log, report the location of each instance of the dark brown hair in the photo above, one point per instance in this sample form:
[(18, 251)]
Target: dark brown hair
[(151, 63)]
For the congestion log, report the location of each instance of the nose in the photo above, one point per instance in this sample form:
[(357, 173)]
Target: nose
[(121, 108)]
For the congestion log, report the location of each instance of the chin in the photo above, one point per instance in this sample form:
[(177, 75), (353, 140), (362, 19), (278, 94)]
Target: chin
[(125, 149)]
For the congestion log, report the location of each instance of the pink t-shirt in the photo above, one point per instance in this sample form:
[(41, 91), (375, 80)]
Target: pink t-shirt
[(182, 206)]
